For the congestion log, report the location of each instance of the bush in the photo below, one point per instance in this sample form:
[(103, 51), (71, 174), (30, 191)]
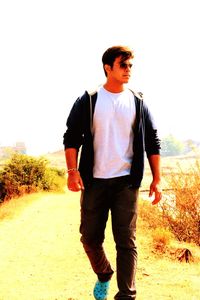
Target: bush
[(25, 174), (153, 219), (182, 209), (151, 215), (161, 239)]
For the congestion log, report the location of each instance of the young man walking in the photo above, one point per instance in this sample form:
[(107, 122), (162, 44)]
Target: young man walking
[(114, 128)]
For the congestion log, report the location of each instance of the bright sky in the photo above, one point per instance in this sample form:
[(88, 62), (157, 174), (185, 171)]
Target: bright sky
[(51, 52)]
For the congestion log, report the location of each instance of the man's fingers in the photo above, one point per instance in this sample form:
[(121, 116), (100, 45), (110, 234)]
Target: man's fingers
[(158, 197)]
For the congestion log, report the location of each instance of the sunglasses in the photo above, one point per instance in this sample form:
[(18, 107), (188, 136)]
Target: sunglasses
[(125, 66)]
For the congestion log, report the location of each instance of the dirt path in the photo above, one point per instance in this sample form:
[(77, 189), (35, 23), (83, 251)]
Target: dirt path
[(34, 247), (41, 257)]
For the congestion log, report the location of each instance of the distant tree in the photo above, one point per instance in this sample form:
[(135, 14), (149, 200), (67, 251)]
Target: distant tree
[(193, 147), (172, 146)]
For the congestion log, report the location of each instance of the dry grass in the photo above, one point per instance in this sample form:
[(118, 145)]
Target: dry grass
[(41, 256), (9, 209)]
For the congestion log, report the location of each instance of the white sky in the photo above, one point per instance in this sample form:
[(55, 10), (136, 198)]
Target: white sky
[(50, 52)]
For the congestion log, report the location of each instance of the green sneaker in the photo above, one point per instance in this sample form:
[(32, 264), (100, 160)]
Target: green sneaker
[(100, 291)]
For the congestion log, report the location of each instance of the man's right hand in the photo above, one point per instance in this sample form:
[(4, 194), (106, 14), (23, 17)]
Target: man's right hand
[(75, 183)]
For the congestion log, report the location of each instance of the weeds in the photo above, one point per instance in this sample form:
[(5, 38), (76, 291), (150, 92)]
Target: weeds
[(181, 210), (161, 239)]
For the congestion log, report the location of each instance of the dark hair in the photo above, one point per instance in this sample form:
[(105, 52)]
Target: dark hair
[(112, 53)]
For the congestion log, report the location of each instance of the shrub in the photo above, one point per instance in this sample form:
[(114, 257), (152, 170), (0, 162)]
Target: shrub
[(182, 209), (161, 239), (153, 219), (24, 174), (151, 215)]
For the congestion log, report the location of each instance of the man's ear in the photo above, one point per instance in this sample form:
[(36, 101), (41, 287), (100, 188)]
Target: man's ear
[(107, 68)]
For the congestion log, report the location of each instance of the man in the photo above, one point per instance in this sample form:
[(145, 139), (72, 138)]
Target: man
[(114, 128)]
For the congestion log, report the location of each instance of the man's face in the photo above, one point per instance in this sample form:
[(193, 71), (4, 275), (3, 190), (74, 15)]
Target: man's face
[(120, 71)]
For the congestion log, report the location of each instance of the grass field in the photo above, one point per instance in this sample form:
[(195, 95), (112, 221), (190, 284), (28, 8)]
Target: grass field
[(41, 257)]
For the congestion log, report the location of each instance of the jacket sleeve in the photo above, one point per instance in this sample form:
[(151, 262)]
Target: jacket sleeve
[(152, 141), (73, 137)]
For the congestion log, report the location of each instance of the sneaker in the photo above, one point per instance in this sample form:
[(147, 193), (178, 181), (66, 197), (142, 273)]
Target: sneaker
[(100, 291)]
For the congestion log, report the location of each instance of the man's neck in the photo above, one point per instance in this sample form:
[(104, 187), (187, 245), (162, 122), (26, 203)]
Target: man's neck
[(114, 88)]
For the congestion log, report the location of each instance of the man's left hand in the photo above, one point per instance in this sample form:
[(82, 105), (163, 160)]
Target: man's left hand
[(156, 190)]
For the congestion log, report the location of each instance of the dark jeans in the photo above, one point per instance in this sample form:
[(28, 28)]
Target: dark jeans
[(116, 195)]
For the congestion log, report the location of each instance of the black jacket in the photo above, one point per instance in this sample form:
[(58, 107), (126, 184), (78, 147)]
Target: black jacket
[(79, 134)]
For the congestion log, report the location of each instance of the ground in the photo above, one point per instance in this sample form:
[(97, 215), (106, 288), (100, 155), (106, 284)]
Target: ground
[(41, 257)]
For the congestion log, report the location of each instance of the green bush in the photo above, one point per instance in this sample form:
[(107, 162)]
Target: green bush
[(25, 174)]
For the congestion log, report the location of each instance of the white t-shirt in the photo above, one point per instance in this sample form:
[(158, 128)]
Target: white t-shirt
[(113, 122)]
